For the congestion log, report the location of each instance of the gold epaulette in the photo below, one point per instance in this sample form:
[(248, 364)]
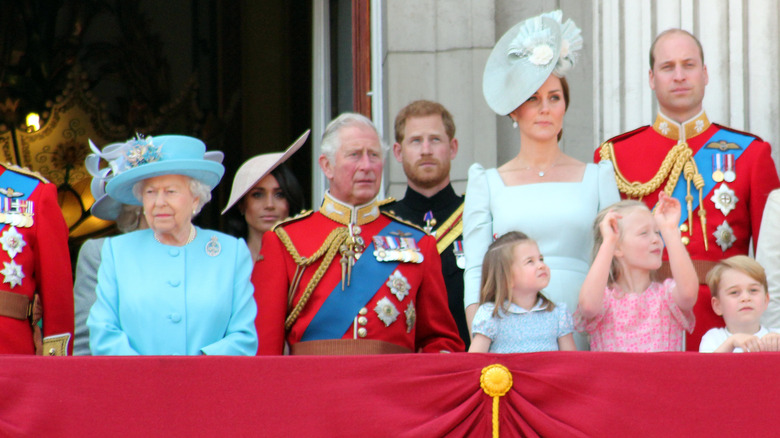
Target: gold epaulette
[(388, 200), (299, 216), (403, 221), (24, 171)]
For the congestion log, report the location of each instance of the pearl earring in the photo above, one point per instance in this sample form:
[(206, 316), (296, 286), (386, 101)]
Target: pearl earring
[(514, 124)]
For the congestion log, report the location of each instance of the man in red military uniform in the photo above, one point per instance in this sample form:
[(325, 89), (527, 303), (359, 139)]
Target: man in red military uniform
[(35, 260), (349, 279), (721, 176)]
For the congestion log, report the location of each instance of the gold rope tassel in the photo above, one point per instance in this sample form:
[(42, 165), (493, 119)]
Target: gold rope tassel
[(689, 171), (496, 380), (698, 182)]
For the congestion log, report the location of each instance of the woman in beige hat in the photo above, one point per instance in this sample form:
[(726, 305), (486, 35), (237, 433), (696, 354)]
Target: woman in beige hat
[(542, 192), (266, 192)]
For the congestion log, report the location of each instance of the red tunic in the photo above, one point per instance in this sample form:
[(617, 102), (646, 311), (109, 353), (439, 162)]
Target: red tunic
[(432, 330), (639, 155), (45, 263)]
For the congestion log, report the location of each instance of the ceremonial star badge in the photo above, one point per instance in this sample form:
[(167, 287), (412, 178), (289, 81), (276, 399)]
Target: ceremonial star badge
[(13, 273), (386, 311), (724, 199), (12, 242), (398, 285), (724, 236)]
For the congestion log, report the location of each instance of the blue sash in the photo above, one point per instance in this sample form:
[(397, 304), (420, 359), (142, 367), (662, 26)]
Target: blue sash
[(703, 160), (368, 275), (20, 183)]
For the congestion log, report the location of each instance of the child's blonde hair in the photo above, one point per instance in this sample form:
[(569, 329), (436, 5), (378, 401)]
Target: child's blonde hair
[(497, 272), (619, 207), (741, 263)]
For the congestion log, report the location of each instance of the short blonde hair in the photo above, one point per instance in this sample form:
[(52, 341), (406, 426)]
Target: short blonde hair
[(497, 272), (741, 263)]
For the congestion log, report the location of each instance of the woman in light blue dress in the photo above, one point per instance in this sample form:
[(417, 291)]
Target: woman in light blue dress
[(172, 289), (548, 195)]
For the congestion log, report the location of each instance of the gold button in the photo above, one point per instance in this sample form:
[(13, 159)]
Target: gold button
[(362, 332), (52, 351), (684, 227), (362, 320), (363, 311), (685, 240)]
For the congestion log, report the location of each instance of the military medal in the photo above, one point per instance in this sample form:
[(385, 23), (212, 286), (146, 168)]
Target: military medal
[(398, 285), (730, 175), (430, 222), (10, 193), (411, 317), (397, 249), (717, 167), (16, 212), (386, 311), (724, 199), (213, 248), (460, 256), (12, 241), (724, 236), (12, 273)]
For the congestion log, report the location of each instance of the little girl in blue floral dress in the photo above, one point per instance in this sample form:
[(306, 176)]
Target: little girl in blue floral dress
[(514, 274)]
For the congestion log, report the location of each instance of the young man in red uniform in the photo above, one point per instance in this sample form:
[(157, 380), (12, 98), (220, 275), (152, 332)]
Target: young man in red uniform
[(349, 279), (34, 261), (721, 176)]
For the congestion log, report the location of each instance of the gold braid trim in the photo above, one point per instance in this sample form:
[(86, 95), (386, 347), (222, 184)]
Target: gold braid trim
[(25, 171), (329, 249), (671, 167)]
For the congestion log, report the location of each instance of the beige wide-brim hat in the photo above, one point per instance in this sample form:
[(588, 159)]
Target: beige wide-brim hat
[(258, 167)]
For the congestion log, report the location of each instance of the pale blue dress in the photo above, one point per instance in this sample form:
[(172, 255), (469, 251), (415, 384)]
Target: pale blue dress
[(523, 331), (557, 215), (155, 299)]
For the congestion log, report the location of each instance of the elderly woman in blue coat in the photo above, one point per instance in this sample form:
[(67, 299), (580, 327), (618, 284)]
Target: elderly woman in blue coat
[(172, 289)]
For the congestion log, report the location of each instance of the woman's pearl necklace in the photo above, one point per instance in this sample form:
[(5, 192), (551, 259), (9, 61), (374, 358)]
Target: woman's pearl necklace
[(191, 237)]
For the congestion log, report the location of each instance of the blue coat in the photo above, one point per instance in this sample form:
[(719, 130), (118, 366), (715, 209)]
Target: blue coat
[(154, 299)]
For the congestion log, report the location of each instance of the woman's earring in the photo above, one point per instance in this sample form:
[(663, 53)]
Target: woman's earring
[(514, 123)]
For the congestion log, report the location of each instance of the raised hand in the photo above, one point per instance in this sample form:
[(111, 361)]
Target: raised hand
[(667, 211)]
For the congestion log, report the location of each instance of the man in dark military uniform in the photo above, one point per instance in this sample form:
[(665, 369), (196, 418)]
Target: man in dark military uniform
[(721, 176), (425, 144), (349, 279)]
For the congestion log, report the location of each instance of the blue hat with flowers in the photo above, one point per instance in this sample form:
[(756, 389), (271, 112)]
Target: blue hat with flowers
[(146, 157), (524, 58)]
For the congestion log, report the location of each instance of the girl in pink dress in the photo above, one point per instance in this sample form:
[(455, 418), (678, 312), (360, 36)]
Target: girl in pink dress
[(620, 305)]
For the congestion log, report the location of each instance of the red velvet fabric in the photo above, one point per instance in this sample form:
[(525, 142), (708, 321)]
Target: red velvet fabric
[(423, 395)]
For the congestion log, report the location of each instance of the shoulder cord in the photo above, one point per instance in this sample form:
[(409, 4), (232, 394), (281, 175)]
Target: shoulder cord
[(678, 161), (329, 249)]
